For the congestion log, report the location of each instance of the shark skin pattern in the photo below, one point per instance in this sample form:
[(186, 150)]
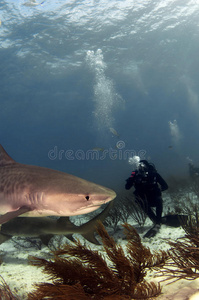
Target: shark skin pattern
[(35, 191)]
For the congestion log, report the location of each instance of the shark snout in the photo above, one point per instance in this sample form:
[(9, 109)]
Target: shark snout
[(103, 198), (110, 197)]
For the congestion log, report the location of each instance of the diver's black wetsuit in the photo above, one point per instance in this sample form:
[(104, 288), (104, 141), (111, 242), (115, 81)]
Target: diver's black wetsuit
[(147, 191)]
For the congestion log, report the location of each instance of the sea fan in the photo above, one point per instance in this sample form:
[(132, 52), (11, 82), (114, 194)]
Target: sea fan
[(81, 273), (184, 259), (5, 292)]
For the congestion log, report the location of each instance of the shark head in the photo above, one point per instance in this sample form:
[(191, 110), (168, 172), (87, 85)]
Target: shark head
[(75, 196), (35, 191)]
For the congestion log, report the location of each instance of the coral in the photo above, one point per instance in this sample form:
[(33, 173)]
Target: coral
[(81, 273)]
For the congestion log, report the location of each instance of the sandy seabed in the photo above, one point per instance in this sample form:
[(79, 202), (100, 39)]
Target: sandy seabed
[(21, 277)]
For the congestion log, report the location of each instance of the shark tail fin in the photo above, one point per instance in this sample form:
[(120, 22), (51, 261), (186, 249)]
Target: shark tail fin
[(88, 229), (90, 236)]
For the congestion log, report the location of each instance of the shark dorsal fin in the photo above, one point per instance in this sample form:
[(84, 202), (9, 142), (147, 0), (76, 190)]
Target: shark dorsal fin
[(5, 159)]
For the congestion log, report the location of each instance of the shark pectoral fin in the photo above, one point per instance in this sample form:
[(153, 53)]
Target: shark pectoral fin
[(66, 227), (13, 214), (46, 238), (89, 236), (70, 237)]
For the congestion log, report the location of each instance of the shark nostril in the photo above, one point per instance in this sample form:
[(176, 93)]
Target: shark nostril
[(87, 198)]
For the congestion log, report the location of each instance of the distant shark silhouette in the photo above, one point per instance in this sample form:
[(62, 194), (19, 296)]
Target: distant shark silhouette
[(34, 191), (46, 227)]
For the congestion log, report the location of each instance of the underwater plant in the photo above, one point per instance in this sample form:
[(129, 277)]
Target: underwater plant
[(125, 207), (190, 223), (5, 292), (190, 218), (114, 217), (81, 273), (183, 260), (137, 212)]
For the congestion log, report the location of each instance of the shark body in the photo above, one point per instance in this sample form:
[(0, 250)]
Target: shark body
[(46, 227), (35, 191)]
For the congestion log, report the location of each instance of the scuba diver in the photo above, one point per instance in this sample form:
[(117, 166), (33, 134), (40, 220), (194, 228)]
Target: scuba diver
[(148, 186)]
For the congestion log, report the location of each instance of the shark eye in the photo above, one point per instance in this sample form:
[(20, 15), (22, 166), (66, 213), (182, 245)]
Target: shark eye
[(87, 198)]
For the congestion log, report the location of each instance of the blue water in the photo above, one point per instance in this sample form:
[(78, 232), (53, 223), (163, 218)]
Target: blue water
[(71, 70)]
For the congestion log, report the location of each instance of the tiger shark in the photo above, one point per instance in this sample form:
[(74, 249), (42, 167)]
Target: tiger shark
[(35, 191)]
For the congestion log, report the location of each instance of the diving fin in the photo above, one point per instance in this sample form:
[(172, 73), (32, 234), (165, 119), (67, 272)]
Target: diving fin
[(174, 220), (153, 231)]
